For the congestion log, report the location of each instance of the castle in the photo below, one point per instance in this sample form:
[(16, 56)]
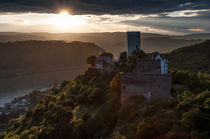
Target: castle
[(150, 78)]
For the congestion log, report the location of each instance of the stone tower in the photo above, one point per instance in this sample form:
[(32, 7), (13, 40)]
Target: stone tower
[(133, 41)]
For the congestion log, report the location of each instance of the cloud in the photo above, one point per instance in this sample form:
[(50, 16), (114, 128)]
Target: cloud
[(103, 6), (188, 13), (34, 22), (5, 27), (177, 25), (18, 21), (196, 29), (186, 4)]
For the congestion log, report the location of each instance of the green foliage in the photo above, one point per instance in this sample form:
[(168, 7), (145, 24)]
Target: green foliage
[(180, 77), (123, 57), (117, 135), (195, 82), (131, 59), (194, 58), (158, 129), (115, 82), (75, 109), (206, 104), (194, 112), (96, 96), (24, 134)]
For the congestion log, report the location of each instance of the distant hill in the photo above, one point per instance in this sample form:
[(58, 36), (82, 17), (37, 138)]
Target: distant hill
[(202, 36), (112, 42), (5, 37), (44, 54), (165, 44), (32, 64), (193, 58)]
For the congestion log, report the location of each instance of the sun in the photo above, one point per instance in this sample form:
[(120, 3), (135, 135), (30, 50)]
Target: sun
[(64, 13), (65, 21)]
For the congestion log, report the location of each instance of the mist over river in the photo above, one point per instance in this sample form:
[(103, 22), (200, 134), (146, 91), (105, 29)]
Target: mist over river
[(6, 97), (21, 84)]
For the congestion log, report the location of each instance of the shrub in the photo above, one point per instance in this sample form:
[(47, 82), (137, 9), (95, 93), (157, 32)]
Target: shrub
[(115, 83), (91, 60)]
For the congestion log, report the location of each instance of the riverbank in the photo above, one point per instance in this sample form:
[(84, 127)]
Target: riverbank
[(18, 106)]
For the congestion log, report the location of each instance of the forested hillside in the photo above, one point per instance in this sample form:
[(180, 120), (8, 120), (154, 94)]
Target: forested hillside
[(193, 58), (44, 54), (38, 64), (89, 107)]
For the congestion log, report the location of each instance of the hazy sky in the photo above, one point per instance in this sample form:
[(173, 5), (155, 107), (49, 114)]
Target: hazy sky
[(156, 16)]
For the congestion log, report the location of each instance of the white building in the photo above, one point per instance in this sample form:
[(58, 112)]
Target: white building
[(163, 63)]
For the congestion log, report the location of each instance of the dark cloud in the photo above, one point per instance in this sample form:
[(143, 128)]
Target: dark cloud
[(102, 6), (173, 24)]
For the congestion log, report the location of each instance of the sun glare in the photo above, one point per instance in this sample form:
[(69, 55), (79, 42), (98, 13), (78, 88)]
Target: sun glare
[(65, 21), (64, 13)]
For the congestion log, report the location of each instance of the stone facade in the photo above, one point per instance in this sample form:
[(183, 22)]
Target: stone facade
[(147, 85), (105, 63), (147, 66), (146, 80)]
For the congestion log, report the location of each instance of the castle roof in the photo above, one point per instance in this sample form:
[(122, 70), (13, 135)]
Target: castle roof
[(161, 57)]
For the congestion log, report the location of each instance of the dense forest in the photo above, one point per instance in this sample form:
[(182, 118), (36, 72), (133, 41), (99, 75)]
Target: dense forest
[(89, 107), (18, 106), (194, 58)]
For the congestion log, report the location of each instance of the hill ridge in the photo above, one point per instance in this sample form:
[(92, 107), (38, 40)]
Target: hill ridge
[(194, 58)]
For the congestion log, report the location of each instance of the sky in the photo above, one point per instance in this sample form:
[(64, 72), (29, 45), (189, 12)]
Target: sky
[(174, 17)]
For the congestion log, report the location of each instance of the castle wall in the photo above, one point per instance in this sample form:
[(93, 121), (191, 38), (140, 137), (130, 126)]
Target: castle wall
[(147, 66), (105, 64), (156, 85)]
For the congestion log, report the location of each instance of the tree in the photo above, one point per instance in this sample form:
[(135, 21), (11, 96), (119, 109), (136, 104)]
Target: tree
[(115, 82), (131, 59), (107, 54), (180, 77), (91, 60), (123, 57)]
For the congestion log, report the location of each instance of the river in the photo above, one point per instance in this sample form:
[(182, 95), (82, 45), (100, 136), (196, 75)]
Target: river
[(17, 86), (7, 97)]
